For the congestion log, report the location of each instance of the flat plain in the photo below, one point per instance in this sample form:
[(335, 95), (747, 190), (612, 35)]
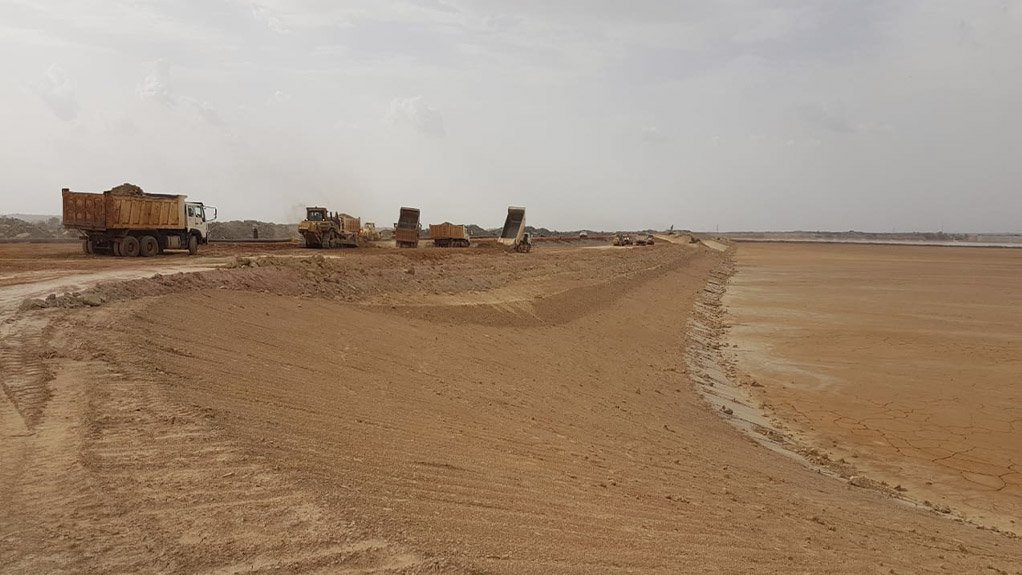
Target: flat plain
[(904, 362)]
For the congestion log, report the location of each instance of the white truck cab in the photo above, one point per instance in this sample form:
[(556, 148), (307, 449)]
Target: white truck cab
[(196, 215)]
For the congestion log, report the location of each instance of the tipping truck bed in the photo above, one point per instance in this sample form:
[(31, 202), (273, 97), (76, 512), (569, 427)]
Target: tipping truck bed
[(514, 227), (406, 230)]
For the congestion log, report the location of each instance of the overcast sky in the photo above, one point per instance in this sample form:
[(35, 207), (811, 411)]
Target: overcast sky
[(742, 114)]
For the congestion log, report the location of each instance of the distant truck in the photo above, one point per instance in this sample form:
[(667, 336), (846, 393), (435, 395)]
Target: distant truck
[(513, 233), (322, 229), (126, 221), (645, 240), (407, 228), (447, 235), (622, 240)]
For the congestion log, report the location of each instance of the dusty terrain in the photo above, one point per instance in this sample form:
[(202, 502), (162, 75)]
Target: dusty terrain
[(421, 412), (903, 362)]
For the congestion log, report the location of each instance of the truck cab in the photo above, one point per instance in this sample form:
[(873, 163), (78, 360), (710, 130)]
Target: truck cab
[(315, 214), (197, 220)]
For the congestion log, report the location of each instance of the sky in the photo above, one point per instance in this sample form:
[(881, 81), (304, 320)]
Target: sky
[(872, 115)]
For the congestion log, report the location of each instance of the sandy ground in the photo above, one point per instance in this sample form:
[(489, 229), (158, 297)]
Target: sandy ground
[(903, 362), (454, 412)]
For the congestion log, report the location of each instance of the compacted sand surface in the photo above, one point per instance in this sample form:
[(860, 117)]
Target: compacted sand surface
[(904, 362), (452, 413)]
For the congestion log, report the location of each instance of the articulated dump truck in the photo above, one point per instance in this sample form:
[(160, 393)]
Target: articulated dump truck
[(513, 234), (322, 229), (125, 221), (407, 228), (447, 235)]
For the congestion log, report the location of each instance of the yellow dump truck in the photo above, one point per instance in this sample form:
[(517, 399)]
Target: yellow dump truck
[(407, 228), (126, 221), (447, 235), (513, 233), (323, 229)]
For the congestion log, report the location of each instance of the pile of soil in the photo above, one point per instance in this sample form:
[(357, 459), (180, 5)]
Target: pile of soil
[(242, 230), (401, 277), (126, 189), (13, 228)]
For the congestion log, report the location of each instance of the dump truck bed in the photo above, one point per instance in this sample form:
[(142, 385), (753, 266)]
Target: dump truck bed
[(408, 219), (514, 226), (447, 231), (406, 230), (350, 224), (447, 235), (105, 211)]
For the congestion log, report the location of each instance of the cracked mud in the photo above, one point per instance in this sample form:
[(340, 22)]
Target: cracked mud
[(904, 362)]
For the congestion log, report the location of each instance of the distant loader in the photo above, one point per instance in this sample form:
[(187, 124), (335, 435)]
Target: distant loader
[(369, 232)]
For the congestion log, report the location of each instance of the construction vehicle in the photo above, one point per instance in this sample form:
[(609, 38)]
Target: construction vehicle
[(126, 221), (525, 244), (448, 235), (513, 233), (407, 228), (323, 229), (622, 240), (646, 240), (369, 232)]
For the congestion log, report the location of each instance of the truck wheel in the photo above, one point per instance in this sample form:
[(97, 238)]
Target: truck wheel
[(129, 246), (87, 247), (116, 248), (193, 245), (149, 247)]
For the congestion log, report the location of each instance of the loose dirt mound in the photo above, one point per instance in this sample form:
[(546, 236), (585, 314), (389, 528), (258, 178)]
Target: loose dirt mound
[(410, 281), (126, 189), (13, 228), (242, 230)]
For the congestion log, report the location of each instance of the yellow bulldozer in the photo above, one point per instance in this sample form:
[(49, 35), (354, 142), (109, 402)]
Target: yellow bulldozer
[(323, 229)]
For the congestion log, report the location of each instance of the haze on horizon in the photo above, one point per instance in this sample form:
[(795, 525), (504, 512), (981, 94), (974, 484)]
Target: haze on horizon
[(744, 114)]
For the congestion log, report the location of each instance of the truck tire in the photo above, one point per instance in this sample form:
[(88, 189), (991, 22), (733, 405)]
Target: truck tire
[(116, 248), (148, 247), (88, 247), (193, 245), (129, 246)]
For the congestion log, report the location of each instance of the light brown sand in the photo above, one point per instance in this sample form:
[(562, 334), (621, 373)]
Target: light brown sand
[(447, 412), (904, 361)]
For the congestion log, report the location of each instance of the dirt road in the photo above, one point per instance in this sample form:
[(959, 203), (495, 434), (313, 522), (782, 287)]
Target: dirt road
[(464, 412), (904, 362)]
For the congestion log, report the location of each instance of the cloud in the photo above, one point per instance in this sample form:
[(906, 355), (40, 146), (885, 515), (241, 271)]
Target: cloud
[(58, 93), (824, 117), (653, 135), (269, 19), (156, 85), (415, 112), (278, 97)]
